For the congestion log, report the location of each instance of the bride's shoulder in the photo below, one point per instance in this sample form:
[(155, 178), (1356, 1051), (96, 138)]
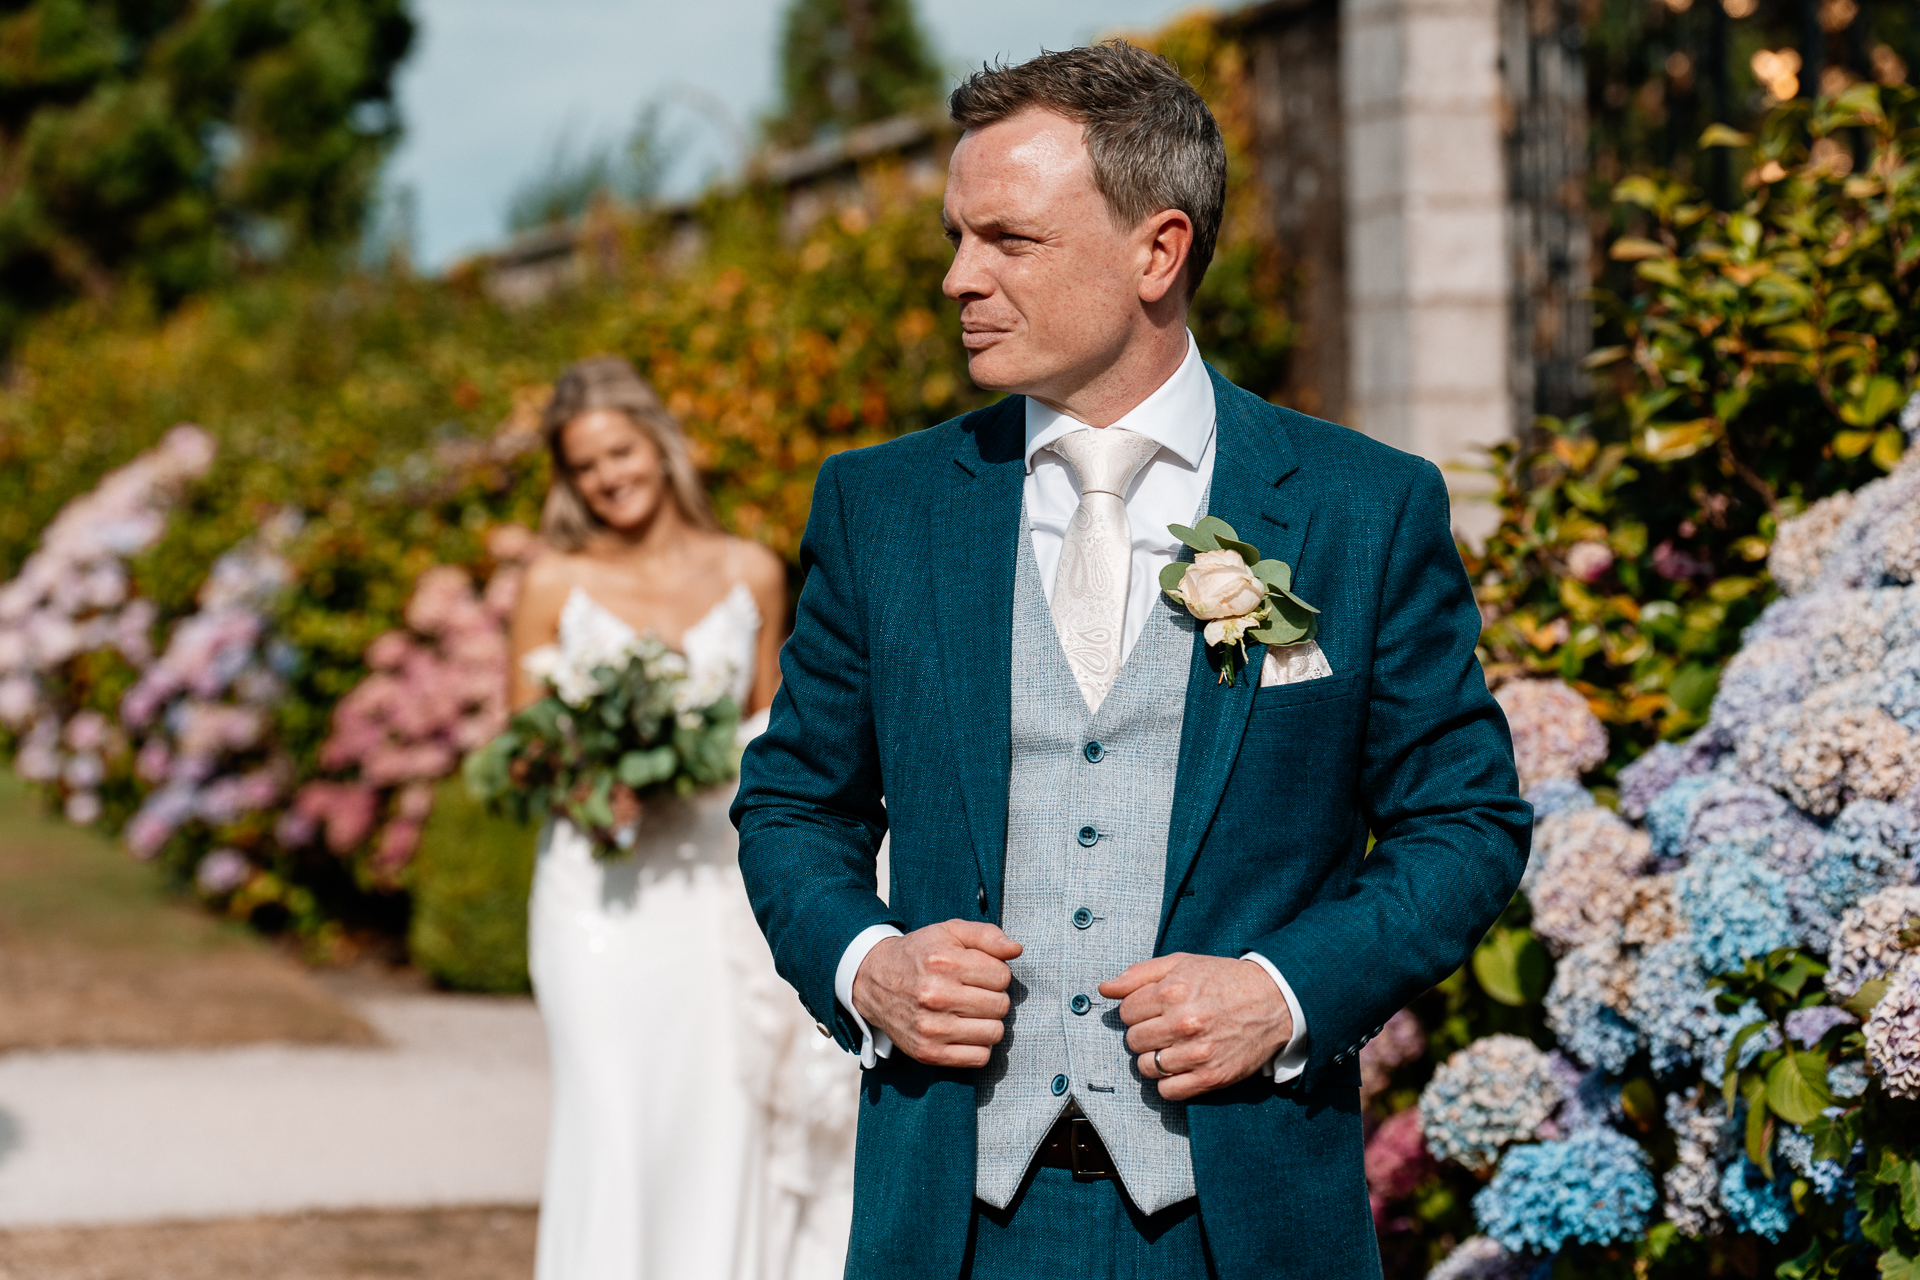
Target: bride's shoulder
[(549, 580)]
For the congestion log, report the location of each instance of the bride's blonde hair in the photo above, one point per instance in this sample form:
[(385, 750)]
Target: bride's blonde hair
[(610, 382)]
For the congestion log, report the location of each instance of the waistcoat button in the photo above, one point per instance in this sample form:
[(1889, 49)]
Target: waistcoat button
[(1094, 753), (1082, 918), (1088, 836), (981, 898), (1080, 1004), (1059, 1085)]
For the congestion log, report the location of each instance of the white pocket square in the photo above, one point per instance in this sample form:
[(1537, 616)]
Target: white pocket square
[(1293, 663)]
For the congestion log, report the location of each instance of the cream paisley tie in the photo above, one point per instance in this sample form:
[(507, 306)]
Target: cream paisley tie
[(1090, 588)]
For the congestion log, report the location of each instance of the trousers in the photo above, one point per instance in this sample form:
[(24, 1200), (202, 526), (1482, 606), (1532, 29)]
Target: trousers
[(1056, 1227)]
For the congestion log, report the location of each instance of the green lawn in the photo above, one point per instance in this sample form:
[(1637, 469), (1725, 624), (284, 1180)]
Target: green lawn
[(68, 884)]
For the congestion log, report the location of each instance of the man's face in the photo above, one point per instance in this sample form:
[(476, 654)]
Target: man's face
[(1048, 284)]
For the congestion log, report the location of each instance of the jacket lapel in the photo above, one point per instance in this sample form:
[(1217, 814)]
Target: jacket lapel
[(973, 556), (1252, 456)]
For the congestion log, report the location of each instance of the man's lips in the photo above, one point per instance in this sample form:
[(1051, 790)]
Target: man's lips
[(981, 339)]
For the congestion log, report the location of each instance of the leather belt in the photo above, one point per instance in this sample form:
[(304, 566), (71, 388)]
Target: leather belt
[(1072, 1144)]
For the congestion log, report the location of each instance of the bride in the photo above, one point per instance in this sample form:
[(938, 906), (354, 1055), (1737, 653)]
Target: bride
[(700, 1128)]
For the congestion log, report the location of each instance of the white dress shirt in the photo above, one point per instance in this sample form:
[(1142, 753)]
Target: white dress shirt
[(1179, 416)]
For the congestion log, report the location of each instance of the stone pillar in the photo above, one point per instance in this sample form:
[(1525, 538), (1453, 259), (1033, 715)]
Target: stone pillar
[(1427, 257)]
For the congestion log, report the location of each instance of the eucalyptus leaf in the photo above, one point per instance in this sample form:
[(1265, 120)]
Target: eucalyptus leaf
[(1277, 574), (1195, 538), (1245, 550), (1170, 576), (1287, 610)]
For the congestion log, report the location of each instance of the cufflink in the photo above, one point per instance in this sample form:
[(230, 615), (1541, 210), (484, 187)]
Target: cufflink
[(821, 1027)]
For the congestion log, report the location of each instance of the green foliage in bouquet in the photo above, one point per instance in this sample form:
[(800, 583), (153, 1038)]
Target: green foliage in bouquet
[(1757, 362), (607, 740)]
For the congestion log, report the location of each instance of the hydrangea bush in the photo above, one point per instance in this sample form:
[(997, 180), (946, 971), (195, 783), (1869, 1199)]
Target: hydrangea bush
[(1736, 953)]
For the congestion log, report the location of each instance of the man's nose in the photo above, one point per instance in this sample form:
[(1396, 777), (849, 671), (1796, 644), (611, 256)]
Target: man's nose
[(964, 278)]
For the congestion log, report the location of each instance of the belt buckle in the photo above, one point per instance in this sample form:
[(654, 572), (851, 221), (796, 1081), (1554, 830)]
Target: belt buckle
[(1082, 1137)]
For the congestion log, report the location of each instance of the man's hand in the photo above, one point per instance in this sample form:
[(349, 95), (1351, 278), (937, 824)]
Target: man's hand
[(1215, 1021), (940, 992)]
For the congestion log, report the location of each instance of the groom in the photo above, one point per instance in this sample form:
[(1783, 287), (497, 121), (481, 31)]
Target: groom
[(1111, 1007)]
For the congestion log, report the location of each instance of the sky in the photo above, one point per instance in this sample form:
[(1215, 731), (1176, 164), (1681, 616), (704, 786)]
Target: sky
[(493, 86)]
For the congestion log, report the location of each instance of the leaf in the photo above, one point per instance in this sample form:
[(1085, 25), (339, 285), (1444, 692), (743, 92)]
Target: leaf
[(1903, 1175), (1672, 443), (1895, 1265), (1732, 1069), (1194, 538), (1605, 356), (1851, 444), (1721, 135), (1171, 574), (1879, 397), (1797, 1087), (1865, 998), (1889, 447), (1760, 1137), (646, 768), (1511, 966), (1275, 573), (1639, 190), (1637, 249)]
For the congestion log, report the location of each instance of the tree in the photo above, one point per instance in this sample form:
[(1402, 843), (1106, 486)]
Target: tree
[(163, 142), (848, 62)]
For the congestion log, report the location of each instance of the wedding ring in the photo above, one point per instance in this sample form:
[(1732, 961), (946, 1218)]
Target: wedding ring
[(1164, 1073)]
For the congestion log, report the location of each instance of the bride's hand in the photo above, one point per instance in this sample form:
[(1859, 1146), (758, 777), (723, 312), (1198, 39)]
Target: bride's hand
[(939, 992)]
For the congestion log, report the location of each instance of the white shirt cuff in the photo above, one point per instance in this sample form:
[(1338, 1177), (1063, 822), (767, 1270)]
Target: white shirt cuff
[(876, 1044), (1291, 1060)]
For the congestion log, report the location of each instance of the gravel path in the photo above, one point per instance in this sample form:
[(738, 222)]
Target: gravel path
[(450, 1109)]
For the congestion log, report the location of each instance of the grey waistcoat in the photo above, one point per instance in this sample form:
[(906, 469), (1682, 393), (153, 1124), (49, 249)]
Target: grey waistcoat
[(1084, 911)]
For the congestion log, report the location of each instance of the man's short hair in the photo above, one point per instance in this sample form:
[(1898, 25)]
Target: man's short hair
[(1153, 142)]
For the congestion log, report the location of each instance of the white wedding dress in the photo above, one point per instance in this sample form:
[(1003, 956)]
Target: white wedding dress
[(702, 1128)]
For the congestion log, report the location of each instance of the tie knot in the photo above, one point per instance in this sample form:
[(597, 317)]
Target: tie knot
[(1105, 458)]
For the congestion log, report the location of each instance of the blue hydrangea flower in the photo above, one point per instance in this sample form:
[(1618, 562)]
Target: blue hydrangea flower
[(1670, 814), (1868, 847), (1674, 1008), (1497, 1090), (1591, 1188), (1828, 1177), (1847, 1079), (1753, 1203), (1478, 1258), (1643, 781), (1900, 686), (1728, 809), (1806, 1027), (1587, 983), (1558, 795), (1735, 905)]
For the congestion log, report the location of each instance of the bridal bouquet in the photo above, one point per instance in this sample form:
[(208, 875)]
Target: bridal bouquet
[(621, 725)]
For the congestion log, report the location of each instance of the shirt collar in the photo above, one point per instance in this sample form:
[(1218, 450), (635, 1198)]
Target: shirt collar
[(1178, 416)]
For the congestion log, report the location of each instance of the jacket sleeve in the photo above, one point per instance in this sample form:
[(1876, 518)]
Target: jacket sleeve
[(809, 808), (1440, 796)]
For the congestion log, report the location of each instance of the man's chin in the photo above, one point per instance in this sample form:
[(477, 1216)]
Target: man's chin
[(991, 370)]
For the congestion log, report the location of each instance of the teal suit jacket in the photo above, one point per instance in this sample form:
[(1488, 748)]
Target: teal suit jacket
[(897, 683)]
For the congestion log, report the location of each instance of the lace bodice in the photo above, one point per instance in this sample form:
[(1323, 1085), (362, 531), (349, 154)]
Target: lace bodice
[(719, 648)]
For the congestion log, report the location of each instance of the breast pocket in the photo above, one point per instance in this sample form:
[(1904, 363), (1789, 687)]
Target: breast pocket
[(1289, 697)]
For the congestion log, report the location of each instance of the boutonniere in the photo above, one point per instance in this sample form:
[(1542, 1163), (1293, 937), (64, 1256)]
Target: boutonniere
[(1236, 593)]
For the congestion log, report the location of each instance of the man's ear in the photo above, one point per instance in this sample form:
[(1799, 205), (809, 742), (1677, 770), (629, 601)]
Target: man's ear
[(1167, 238)]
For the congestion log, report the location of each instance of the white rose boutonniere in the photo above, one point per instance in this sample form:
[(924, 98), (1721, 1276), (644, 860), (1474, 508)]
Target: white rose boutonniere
[(1238, 595)]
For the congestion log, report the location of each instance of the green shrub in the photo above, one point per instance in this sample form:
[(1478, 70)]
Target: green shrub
[(471, 880)]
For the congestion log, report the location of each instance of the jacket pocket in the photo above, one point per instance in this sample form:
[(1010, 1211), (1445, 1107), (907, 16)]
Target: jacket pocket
[(1285, 697)]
